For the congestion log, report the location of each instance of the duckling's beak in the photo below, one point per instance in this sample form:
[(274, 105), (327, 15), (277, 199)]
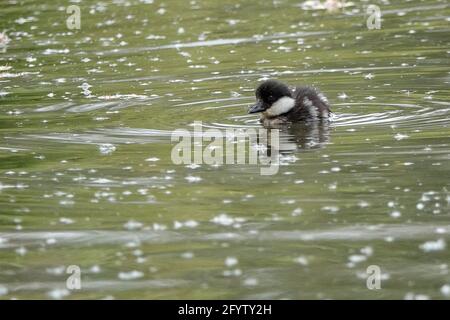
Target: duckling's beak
[(258, 107)]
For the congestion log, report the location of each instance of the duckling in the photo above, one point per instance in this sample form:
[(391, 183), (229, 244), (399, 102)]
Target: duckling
[(280, 104)]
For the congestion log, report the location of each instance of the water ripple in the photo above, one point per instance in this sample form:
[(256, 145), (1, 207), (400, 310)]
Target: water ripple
[(114, 285), (215, 42), (401, 115), (352, 233)]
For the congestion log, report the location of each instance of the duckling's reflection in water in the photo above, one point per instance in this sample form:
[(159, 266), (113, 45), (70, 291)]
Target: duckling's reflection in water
[(300, 136)]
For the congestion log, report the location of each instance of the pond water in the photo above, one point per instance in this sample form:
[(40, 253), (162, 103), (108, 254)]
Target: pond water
[(87, 179)]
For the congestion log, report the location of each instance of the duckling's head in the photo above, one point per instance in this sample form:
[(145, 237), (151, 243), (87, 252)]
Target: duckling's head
[(273, 98)]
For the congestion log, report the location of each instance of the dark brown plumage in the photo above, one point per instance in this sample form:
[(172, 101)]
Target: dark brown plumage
[(279, 104)]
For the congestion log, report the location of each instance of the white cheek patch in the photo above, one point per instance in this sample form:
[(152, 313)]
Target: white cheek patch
[(281, 106), (311, 108)]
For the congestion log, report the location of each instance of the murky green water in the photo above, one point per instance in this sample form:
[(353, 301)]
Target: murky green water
[(86, 176)]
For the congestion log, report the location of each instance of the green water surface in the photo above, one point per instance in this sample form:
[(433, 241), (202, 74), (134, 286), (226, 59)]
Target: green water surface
[(87, 179)]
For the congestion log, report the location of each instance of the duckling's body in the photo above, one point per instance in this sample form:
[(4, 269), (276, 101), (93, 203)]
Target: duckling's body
[(279, 104)]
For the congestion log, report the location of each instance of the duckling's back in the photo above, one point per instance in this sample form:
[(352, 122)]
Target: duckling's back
[(310, 103)]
